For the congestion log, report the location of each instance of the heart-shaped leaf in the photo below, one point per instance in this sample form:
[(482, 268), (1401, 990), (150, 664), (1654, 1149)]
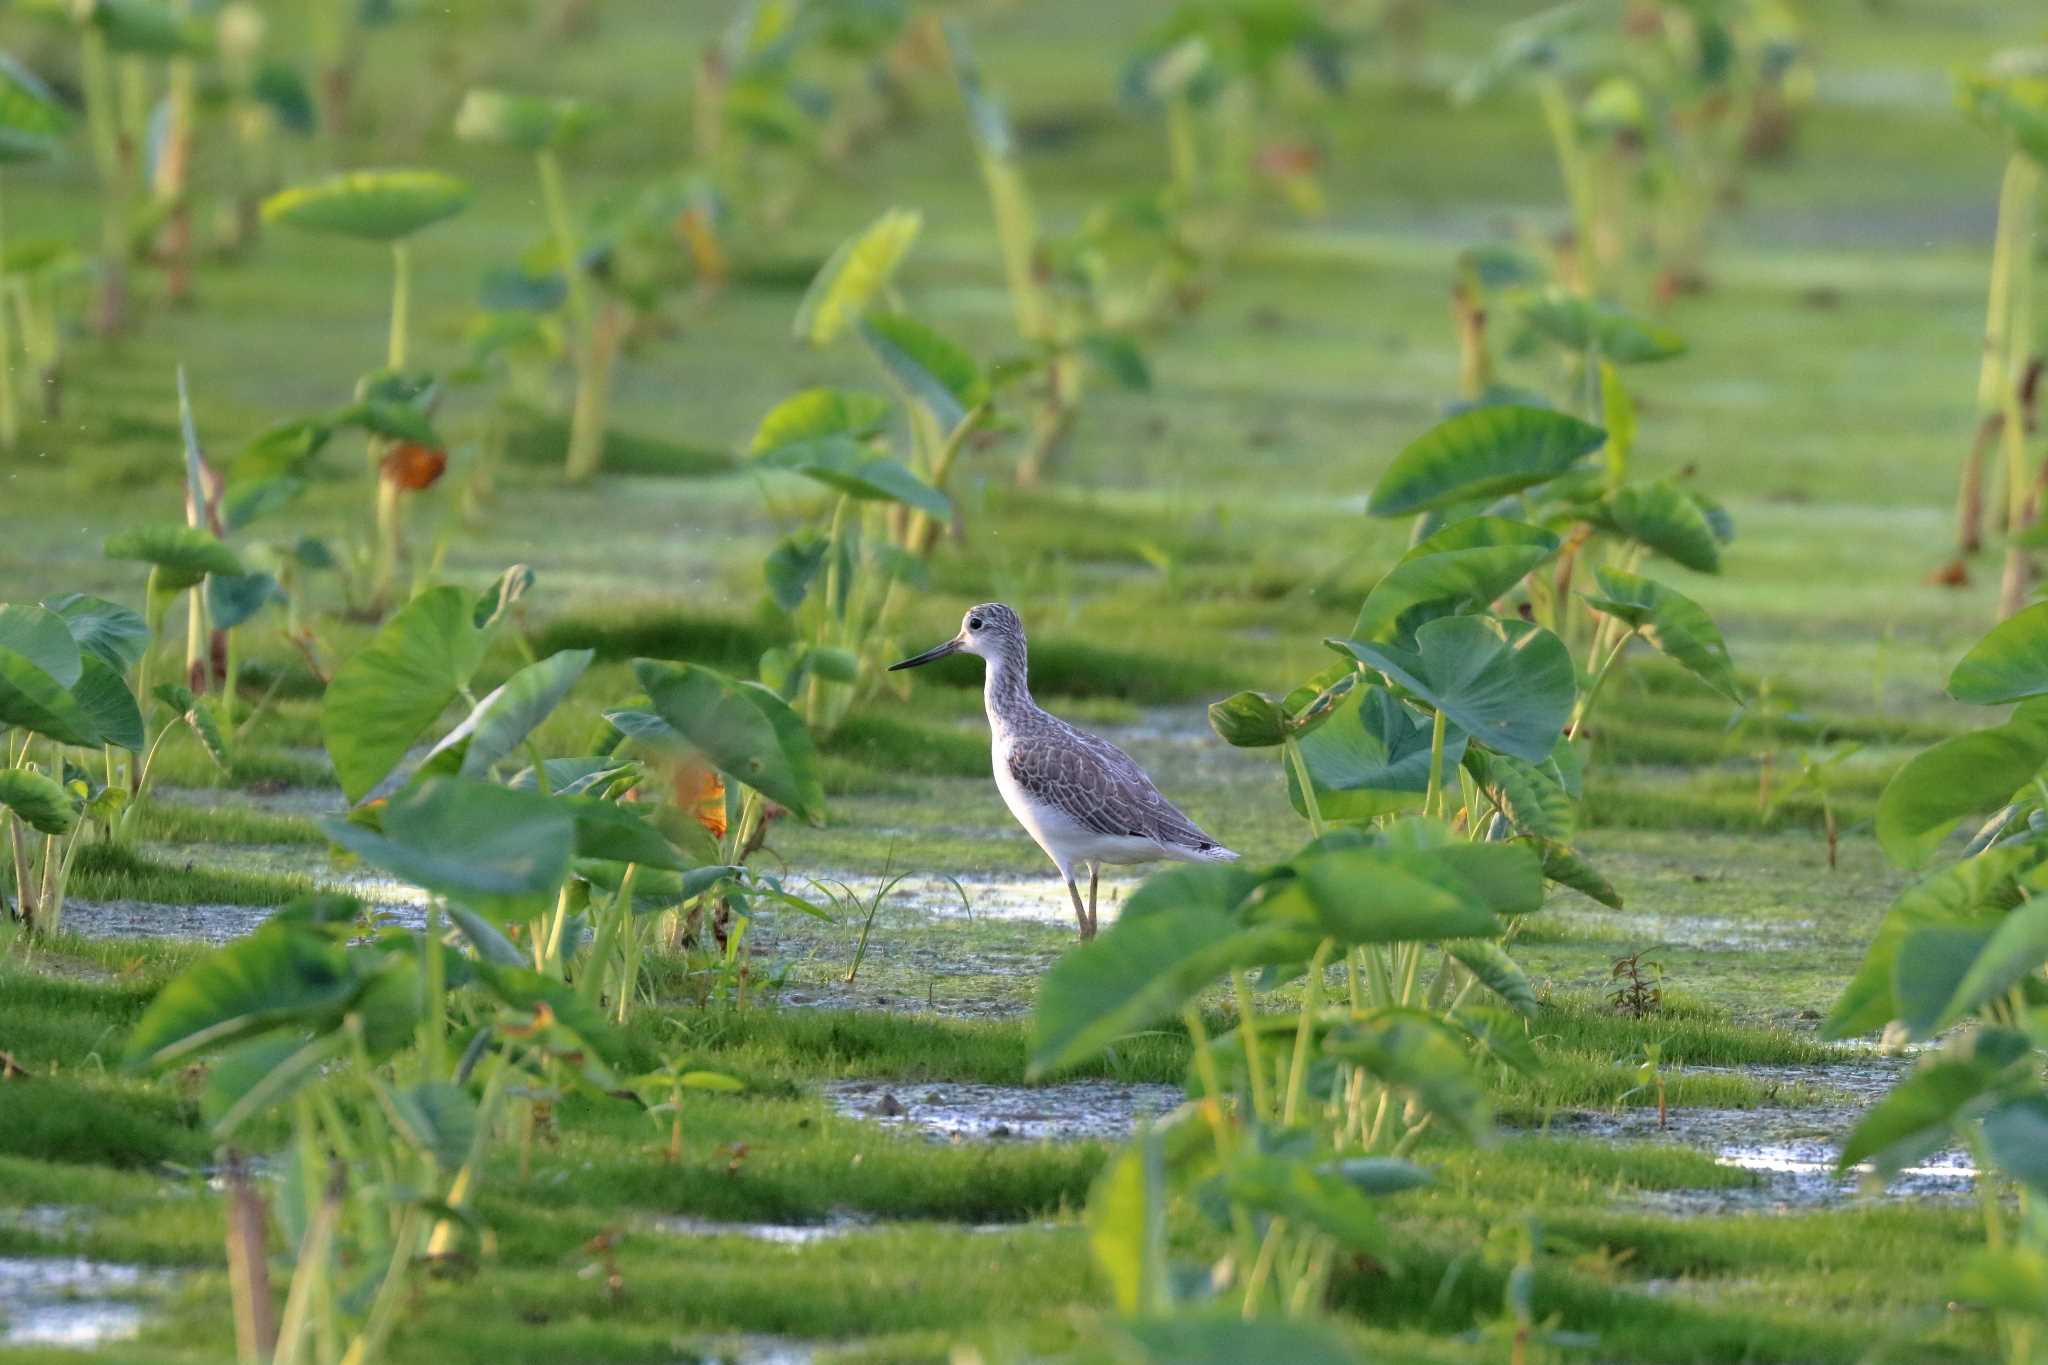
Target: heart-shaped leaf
[(183, 555), (851, 467), (376, 206), (858, 271), (383, 698), (1480, 454), (816, 413), (40, 803), (932, 368), (745, 731), (502, 853), (502, 721), (1462, 568), (1671, 622), (42, 637), (1509, 684), (279, 976), (103, 695), (619, 834), (1665, 518), (107, 629), (2009, 664), (1594, 326), (1969, 774), (1370, 758), (32, 700), (233, 599)]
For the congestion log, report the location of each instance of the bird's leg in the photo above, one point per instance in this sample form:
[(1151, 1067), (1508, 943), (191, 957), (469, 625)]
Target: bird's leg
[(1094, 879), (1080, 911)]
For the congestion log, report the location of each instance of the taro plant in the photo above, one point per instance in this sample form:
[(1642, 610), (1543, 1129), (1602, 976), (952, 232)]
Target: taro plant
[(389, 207), (2011, 99), (128, 34), (32, 127), (544, 128), (65, 713), (1064, 306), (1961, 958)]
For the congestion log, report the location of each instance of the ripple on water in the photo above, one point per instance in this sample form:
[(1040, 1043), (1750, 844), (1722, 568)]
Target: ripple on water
[(70, 1301), (958, 1111)]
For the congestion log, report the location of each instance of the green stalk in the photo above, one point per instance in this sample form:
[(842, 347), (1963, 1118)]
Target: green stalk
[(433, 1030), (195, 639), (309, 1278), (1585, 706), (1254, 1058), (1304, 1032), (1182, 153), (589, 355), (401, 305), (1562, 125), (1292, 749), (1433, 798), (2023, 182)]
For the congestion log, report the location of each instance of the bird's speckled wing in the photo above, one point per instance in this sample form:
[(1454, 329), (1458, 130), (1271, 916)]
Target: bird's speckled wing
[(1098, 786)]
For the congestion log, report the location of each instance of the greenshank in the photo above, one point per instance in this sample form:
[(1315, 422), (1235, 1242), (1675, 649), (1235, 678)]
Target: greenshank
[(1080, 798)]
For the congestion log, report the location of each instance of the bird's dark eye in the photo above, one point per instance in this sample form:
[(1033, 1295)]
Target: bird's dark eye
[(974, 623)]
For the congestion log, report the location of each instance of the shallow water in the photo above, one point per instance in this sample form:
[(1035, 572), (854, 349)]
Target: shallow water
[(782, 1234), (958, 1112), (70, 1301)]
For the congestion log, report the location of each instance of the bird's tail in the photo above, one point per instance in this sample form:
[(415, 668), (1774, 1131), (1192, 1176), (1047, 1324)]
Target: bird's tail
[(1214, 853)]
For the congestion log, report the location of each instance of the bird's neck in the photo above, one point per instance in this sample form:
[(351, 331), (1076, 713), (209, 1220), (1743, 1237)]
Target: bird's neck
[(1005, 688)]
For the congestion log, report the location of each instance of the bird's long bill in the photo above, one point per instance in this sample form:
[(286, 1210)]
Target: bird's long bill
[(951, 646)]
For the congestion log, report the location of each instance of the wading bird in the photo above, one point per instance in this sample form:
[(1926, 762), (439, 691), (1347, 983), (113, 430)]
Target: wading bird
[(1081, 798)]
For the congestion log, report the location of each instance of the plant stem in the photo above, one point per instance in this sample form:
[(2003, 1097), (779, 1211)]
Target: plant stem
[(401, 304), (97, 78), (1304, 1031), (10, 422), (1254, 1058), (1291, 748), (2017, 208), (1571, 163), (1585, 706), (1432, 799), (433, 1031)]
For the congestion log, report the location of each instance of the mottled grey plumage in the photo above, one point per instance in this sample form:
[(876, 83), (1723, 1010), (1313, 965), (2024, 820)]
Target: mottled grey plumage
[(1080, 797)]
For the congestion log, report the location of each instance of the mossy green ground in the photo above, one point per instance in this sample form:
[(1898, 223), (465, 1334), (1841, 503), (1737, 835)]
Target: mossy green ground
[(1826, 399)]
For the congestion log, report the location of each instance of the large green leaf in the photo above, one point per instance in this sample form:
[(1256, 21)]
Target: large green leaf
[(1497, 971), (234, 599), (1533, 800), (1483, 453), (815, 413), (1970, 889), (1177, 934), (854, 469), (1403, 895), (32, 122), (1918, 1116), (377, 206), (42, 637), (1248, 720), (1567, 867), (502, 853), (1509, 684), (1370, 758), (1666, 519), (439, 1120), (932, 368), (2013, 952), (383, 699), (1461, 568), (746, 731), (279, 976), (1585, 325), (32, 700), (107, 629), (617, 833), (2009, 664), (1292, 1189), (504, 719), (1671, 622), (1969, 774), (857, 272), (183, 555), (40, 803), (1126, 1221), (102, 693), (1933, 961), (528, 122), (2016, 1132)]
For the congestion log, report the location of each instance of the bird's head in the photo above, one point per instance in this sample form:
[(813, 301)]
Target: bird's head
[(991, 630)]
